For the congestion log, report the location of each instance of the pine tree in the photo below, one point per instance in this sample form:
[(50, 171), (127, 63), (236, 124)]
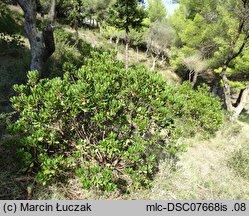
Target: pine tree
[(127, 15), (219, 31), (156, 10)]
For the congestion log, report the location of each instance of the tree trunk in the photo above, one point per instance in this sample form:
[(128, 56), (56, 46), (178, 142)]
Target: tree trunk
[(41, 42), (110, 39), (226, 90), (241, 100), (163, 59), (126, 37), (190, 75), (146, 52), (126, 51), (194, 80), (154, 63), (137, 54), (117, 42), (75, 26), (233, 54), (216, 87)]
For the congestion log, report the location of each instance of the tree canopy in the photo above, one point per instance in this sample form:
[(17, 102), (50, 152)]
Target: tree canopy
[(219, 31), (156, 10)]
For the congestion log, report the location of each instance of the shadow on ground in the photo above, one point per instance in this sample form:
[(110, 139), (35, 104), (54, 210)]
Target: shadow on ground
[(14, 64), (12, 183), (13, 68)]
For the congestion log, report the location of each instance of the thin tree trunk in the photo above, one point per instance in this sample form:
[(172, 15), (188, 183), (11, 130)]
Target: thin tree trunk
[(154, 63), (241, 102), (137, 55), (147, 51), (51, 14), (126, 38), (195, 76), (110, 39), (75, 26), (190, 75), (126, 51), (117, 42), (163, 59), (227, 90)]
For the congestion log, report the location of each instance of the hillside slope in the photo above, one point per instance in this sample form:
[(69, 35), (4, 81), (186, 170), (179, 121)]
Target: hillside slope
[(202, 172)]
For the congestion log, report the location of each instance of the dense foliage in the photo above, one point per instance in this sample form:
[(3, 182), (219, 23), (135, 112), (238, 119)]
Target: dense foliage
[(80, 13), (240, 161), (156, 10), (126, 15), (197, 110), (108, 124), (215, 30), (9, 30)]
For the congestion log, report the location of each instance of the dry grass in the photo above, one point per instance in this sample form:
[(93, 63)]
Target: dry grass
[(203, 171), (139, 57), (71, 191), (135, 56)]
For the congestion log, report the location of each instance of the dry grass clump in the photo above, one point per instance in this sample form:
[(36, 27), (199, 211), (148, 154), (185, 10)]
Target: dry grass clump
[(239, 160), (203, 172)]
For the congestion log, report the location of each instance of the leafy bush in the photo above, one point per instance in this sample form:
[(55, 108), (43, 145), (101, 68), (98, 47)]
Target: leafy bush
[(11, 43), (108, 124), (198, 110), (244, 117), (65, 52), (240, 161), (4, 120), (69, 50), (10, 30), (101, 121)]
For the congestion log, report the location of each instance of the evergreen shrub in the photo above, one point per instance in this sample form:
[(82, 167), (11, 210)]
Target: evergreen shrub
[(107, 124), (196, 110)]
